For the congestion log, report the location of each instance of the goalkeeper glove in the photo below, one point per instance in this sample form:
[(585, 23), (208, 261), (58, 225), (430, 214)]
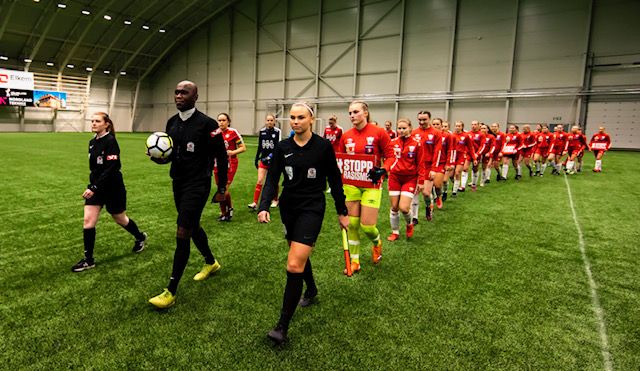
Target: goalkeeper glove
[(376, 173)]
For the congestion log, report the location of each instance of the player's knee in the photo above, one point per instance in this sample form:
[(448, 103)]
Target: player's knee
[(404, 209), (295, 266), (371, 231), (121, 219), (183, 233)]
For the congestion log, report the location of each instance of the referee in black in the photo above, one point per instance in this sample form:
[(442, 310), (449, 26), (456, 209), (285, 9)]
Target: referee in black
[(106, 188), (307, 162), (197, 143)]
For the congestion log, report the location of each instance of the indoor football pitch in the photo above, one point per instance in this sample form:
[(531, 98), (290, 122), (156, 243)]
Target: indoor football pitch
[(540, 273)]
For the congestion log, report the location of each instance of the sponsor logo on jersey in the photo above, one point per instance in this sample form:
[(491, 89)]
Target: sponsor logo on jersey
[(191, 147), (311, 173), (112, 157), (289, 171)]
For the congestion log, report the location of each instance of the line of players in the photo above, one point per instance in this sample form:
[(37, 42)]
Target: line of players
[(428, 157)]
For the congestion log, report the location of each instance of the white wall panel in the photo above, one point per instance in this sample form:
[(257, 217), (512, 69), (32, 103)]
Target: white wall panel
[(295, 66), (270, 90), (378, 83), (329, 62), (551, 43), (487, 111), (620, 119), (379, 55), (303, 32), (410, 110), (339, 26), (377, 26), (543, 110), (342, 85), (616, 27), (333, 5), (483, 45)]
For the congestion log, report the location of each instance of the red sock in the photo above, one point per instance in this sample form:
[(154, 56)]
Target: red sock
[(256, 193)]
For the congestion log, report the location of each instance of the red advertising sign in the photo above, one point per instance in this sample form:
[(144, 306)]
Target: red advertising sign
[(354, 169)]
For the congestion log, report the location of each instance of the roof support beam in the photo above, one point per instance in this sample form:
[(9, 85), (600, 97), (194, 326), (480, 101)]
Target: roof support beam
[(7, 16)]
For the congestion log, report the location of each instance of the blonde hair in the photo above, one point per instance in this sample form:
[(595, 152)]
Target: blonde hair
[(306, 105), (405, 120)]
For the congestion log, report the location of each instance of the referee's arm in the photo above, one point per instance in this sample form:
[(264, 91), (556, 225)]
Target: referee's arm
[(335, 179), (273, 177)]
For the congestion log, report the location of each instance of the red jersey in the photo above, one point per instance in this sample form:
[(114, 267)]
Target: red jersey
[(333, 135), (407, 156), (461, 144), (445, 141), (600, 142), (512, 144), (559, 142), (543, 140), (499, 140), (371, 140), (528, 140), (232, 140), (576, 142), (477, 139), (488, 146), (392, 133), (430, 139)]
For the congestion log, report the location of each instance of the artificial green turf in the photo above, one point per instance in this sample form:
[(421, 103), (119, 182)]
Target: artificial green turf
[(495, 281)]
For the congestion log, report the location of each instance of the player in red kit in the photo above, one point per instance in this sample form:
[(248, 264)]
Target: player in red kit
[(403, 170), (235, 145), (460, 148), (486, 153), (599, 144), (363, 203), (576, 143), (543, 144), (528, 147), (440, 166), (333, 132), (388, 127), (497, 153), (580, 157), (512, 144), (558, 148), (430, 139), (478, 140)]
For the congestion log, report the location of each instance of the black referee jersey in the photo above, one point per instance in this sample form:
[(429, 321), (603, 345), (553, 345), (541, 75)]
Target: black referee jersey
[(306, 171), (104, 163), (197, 143)]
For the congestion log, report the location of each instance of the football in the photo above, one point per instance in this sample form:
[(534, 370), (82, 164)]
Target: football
[(159, 145)]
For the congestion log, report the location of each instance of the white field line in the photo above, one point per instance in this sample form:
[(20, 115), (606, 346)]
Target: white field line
[(595, 301)]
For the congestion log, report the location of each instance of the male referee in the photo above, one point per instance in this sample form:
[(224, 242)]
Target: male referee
[(197, 142)]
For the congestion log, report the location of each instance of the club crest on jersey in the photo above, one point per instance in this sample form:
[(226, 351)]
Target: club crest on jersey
[(370, 141), (99, 160), (191, 147), (412, 152), (311, 173), (273, 135), (397, 151), (368, 149), (350, 147), (289, 171)]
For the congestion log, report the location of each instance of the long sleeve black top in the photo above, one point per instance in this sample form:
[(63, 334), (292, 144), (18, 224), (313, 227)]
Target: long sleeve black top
[(306, 171), (104, 162), (197, 143)]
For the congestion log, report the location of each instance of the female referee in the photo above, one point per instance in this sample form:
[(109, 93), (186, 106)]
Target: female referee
[(106, 188), (308, 162), (363, 203)]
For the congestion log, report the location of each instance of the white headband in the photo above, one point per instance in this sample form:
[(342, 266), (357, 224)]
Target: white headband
[(303, 104)]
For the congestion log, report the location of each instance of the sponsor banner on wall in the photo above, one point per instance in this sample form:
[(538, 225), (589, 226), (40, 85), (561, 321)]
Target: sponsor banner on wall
[(16, 97), (16, 79), (51, 99)]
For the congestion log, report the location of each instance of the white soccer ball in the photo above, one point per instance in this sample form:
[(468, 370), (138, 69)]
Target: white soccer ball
[(159, 145)]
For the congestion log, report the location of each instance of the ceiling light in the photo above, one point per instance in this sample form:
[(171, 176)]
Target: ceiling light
[(162, 30), (4, 57), (127, 22), (70, 66), (86, 12), (123, 73), (89, 69), (145, 27), (107, 71), (62, 6), (107, 17), (50, 64), (27, 60), (36, 1)]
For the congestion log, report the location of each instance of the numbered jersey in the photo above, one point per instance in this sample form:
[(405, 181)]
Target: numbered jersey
[(232, 140), (267, 140)]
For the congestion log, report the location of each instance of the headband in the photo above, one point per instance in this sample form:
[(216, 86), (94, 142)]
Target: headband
[(303, 104)]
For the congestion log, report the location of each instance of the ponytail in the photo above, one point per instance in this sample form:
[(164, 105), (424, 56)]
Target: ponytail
[(107, 119)]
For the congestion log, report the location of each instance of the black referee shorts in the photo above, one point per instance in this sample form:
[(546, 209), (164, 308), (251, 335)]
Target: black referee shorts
[(114, 197), (302, 225), (191, 197)]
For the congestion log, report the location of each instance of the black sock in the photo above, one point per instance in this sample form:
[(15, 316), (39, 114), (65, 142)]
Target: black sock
[(89, 237), (292, 293), (438, 191), (312, 290), (132, 228), (202, 243), (180, 259)]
